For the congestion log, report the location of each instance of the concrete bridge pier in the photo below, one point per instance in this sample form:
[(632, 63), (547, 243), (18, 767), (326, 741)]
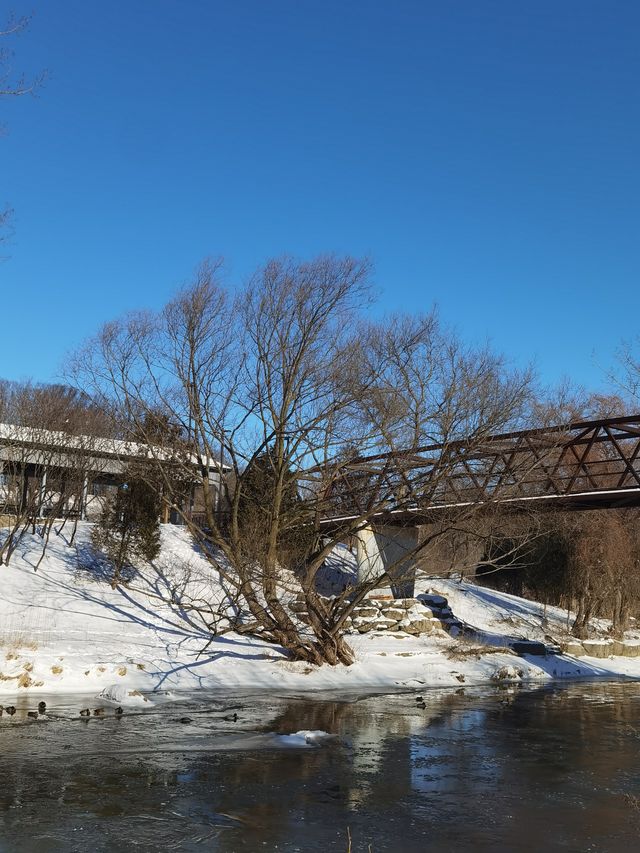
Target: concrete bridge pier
[(388, 549)]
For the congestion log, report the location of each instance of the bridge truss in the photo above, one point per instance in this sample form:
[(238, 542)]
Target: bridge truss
[(584, 465)]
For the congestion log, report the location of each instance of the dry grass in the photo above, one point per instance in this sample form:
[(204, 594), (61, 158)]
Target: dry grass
[(13, 641), (463, 652)]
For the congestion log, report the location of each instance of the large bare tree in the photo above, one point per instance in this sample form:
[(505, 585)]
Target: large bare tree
[(290, 383)]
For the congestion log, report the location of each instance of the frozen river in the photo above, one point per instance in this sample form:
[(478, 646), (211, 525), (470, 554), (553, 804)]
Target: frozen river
[(477, 770)]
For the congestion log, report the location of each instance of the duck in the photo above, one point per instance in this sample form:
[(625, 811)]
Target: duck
[(10, 709), (42, 707), (98, 712), (85, 712), (119, 712), (32, 714)]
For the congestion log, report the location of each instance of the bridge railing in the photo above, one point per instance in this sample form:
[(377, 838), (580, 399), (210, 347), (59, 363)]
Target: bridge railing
[(590, 457)]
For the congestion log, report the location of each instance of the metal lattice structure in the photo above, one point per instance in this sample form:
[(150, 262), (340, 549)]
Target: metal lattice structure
[(590, 464)]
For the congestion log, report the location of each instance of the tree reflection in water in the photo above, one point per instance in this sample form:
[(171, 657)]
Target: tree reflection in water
[(475, 770)]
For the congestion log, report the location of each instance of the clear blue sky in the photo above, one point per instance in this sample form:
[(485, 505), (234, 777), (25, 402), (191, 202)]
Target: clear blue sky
[(484, 153)]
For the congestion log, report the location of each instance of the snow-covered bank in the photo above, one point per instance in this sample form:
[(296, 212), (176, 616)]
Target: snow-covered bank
[(63, 629)]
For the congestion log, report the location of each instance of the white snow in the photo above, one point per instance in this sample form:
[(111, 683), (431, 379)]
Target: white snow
[(305, 738), (119, 694), (63, 629)]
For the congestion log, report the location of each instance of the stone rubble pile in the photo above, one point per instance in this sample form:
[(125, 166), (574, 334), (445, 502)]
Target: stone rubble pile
[(381, 612)]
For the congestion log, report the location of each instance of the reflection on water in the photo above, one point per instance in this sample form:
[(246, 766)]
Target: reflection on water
[(553, 769)]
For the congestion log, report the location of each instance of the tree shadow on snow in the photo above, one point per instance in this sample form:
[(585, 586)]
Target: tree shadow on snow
[(135, 605)]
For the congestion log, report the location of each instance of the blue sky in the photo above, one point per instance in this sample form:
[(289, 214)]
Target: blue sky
[(484, 154)]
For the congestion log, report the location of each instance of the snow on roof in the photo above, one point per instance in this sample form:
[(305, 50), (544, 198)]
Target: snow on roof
[(37, 437)]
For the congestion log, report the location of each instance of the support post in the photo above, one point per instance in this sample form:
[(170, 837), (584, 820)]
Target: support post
[(83, 499), (388, 549), (43, 491)]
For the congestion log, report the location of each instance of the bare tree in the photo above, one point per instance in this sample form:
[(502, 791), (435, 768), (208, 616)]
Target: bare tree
[(47, 438), (625, 376), (602, 577), (288, 374), (13, 84)]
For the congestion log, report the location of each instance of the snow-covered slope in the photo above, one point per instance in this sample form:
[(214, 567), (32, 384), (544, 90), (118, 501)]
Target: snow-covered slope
[(64, 629)]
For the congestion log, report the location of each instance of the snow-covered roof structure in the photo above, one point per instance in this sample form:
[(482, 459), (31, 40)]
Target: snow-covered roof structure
[(38, 446)]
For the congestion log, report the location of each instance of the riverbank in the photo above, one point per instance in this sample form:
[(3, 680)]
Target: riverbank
[(63, 629)]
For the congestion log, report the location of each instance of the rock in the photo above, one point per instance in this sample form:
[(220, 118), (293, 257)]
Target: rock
[(424, 612), (572, 647), (393, 613), (432, 599), (384, 624), (506, 673), (421, 705), (185, 720), (366, 612), (420, 626), (528, 647), (630, 649), (298, 606), (597, 648)]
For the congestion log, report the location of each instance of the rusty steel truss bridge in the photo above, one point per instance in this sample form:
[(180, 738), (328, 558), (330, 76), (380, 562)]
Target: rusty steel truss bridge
[(584, 465)]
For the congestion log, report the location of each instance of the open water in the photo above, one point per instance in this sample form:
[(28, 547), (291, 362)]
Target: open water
[(551, 769)]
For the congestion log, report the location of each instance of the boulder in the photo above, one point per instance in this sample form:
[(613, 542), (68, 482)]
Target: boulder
[(572, 647), (385, 624), (597, 648), (393, 613), (528, 647), (418, 626), (433, 600), (366, 612)]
